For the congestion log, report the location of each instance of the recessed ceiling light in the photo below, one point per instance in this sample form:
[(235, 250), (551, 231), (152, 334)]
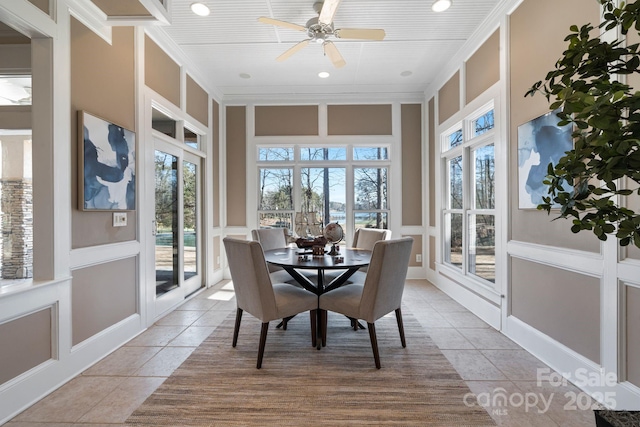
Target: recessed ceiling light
[(200, 9), (244, 76), (323, 74), (441, 5), (406, 73)]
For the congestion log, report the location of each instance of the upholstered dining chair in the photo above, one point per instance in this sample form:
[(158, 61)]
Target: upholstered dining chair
[(380, 294), (257, 295), (272, 238), (365, 238)]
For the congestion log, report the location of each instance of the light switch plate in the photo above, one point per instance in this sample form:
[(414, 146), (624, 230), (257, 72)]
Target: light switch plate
[(119, 219)]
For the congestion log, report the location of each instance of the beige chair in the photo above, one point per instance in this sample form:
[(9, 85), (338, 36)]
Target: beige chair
[(365, 238), (257, 295), (273, 238), (381, 292)]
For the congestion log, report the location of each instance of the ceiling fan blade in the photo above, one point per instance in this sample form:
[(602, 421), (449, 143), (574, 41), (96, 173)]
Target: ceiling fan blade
[(283, 24), (360, 33), (328, 11), (332, 52), (293, 50)]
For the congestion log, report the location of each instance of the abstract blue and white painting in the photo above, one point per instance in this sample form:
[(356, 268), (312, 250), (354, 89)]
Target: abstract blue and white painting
[(540, 142), (108, 165)]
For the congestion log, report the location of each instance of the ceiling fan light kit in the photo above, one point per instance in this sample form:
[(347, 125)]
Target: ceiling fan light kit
[(441, 5), (320, 29)]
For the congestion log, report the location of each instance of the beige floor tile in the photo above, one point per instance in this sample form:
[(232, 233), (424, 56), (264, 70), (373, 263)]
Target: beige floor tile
[(180, 318), (449, 339), (72, 400), (165, 362), (432, 320), (569, 406), (515, 364), (472, 365), (121, 402), (212, 318), (192, 336), (201, 304), (463, 319), (156, 335), (508, 405), (122, 362), (488, 339)]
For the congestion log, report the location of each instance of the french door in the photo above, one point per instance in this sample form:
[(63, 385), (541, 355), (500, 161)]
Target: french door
[(177, 224)]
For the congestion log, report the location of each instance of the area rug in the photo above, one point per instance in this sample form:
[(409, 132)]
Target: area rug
[(219, 385)]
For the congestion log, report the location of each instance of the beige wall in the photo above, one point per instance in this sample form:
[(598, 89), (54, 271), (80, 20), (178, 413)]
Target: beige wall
[(286, 120), (197, 102), (43, 5), (216, 163), (449, 98), (161, 73), (359, 119), (217, 242), (562, 304), (236, 166), (432, 252), (416, 249), (27, 342), (432, 144), (101, 296), (15, 117), (533, 53), (102, 83), (122, 7), (482, 70), (411, 164), (633, 335)]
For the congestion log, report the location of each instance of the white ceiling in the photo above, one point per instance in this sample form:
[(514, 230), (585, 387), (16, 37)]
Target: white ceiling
[(230, 42)]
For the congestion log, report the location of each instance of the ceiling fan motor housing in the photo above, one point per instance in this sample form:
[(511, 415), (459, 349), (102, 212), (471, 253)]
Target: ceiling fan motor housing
[(317, 30)]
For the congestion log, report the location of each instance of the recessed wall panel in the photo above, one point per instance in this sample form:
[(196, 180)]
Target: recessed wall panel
[(411, 164), (286, 120), (197, 101), (161, 73), (217, 179), (432, 144), (633, 334), (532, 54), (449, 98), (102, 83), (359, 119), (482, 70), (101, 296), (561, 304), (236, 166), (27, 342)]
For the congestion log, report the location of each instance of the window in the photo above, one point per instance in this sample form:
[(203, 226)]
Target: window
[(315, 180), (469, 216)]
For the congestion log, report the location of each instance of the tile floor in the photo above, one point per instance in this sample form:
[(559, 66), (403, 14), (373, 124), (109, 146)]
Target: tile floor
[(498, 372)]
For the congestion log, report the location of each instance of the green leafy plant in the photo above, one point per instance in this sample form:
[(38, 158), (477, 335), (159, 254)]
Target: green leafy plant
[(605, 114)]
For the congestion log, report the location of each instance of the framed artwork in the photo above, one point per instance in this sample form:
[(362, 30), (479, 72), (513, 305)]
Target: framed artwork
[(540, 142), (107, 165)]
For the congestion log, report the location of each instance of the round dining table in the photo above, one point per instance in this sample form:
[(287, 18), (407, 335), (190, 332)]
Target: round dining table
[(292, 259), (347, 262)]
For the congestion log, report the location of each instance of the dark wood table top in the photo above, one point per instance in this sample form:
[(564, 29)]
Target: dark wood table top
[(348, 258)]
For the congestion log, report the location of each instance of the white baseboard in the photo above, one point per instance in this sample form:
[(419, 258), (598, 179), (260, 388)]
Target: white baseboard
[(479, 306), (584, 373)]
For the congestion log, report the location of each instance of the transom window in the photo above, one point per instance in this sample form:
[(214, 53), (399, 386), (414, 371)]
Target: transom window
[(303, 188), (468, 153)]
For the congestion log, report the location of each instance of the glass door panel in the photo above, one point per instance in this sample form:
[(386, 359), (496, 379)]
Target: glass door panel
[(191, 223), (166, 217)]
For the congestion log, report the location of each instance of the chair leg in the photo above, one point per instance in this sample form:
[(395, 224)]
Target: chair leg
[(323, 327), (400, 327), (314, 327), (263, 340), (374, 343), (236, 329)]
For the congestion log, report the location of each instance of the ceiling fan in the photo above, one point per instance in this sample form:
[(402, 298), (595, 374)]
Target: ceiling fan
[(320, 29)]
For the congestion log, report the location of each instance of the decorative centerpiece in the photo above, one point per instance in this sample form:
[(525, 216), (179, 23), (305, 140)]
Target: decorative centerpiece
[(334, 234), (306, 243)]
